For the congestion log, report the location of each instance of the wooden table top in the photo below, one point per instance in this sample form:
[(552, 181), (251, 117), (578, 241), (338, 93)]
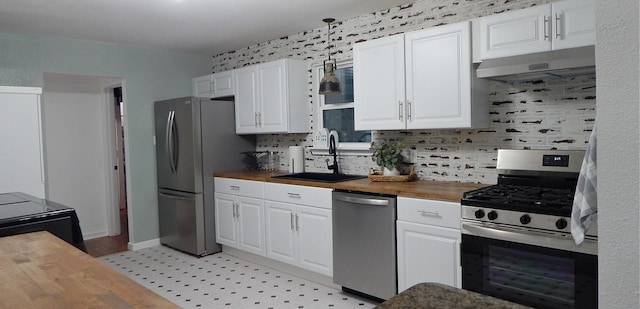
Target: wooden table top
[(426, 189), (39, 270)]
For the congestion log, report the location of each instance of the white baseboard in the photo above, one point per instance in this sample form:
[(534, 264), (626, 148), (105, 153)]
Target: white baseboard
[(143, 244), (283, 267), (94, 234)]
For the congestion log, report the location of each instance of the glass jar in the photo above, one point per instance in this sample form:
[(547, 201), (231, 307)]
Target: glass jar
[(274, 161)]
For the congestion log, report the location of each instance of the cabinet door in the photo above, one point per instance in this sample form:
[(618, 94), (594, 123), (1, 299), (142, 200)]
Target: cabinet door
[(226, 232), (203, 86), (280, 225), (250, 225), (315, 247), (438, 77), (427, 254), (222, 84), (515, 33), (574, 23), (272, 79), (378, 83), (246, 100)]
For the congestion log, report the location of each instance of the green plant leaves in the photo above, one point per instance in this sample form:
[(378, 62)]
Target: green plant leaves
[(387, 154)]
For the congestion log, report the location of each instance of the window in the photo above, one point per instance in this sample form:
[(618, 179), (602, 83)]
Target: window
[(335, 111)]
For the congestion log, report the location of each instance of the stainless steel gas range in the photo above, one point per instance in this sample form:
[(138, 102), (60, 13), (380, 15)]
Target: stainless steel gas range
[(516, 241)]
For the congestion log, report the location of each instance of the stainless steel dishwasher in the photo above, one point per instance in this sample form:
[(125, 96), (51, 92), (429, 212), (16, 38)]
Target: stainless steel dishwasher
[(364, 243)]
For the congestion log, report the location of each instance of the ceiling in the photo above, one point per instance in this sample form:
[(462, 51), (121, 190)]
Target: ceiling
[(198, 26)]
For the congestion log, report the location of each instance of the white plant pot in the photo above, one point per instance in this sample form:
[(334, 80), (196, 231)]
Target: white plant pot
[(393, 172)]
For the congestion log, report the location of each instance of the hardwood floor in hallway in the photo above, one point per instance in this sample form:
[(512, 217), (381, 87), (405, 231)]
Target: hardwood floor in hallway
[(102, 246)]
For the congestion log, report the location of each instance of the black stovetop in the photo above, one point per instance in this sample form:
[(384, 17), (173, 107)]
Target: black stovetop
[(530, 199)]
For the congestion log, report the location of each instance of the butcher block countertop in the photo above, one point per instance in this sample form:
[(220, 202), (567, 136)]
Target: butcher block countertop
[(425, 189), (39, 270)]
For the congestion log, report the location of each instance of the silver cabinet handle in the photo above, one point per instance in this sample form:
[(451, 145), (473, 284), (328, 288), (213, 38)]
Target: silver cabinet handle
[(297, 223), (429, 213), (235, 188), (255, 120), (259, 119), (408, 110), (291, 216), (557, 28), (400, 110), (233, 209), (546, 31), (237, 210), (294, 195)]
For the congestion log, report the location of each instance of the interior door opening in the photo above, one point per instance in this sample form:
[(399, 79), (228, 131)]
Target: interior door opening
[(120, 151)]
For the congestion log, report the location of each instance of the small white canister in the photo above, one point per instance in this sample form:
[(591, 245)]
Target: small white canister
[(296, 159)]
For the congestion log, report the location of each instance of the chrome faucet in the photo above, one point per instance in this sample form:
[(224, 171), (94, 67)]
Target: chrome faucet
[(334, 152)]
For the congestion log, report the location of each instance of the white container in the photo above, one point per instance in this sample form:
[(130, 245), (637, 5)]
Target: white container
[(296, 159)]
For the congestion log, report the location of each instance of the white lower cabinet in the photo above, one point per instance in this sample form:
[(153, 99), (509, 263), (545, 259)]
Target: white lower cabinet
[(299, 226), (428, 242), (240, 219)]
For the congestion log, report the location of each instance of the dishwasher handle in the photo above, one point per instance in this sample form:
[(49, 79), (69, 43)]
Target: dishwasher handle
[(362, 200)]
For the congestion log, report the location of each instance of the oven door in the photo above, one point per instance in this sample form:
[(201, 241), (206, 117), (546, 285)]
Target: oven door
[(531, 275)]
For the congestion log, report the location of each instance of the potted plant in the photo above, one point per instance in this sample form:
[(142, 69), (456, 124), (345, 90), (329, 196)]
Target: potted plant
[(387, 156)]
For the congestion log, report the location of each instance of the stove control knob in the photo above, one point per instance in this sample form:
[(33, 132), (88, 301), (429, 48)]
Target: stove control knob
[(525, 219), (492, 215), (561, 223), (479, 213)]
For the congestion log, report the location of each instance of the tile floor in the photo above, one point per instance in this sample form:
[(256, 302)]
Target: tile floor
[(224, 281)]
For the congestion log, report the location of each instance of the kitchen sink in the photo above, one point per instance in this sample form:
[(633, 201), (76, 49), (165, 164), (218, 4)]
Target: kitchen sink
[(320, 177)]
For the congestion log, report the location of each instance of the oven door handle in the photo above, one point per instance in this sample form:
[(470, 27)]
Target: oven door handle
[(528, 237)]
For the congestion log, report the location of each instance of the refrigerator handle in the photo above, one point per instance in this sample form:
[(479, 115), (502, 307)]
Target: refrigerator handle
[(175, 142), (176, 197), (170, 142)]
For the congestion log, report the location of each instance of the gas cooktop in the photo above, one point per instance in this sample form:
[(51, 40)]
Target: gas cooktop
[(553, 201), (535, 190)]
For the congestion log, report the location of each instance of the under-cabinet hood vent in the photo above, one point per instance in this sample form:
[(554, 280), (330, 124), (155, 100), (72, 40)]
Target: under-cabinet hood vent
[(555, 64)]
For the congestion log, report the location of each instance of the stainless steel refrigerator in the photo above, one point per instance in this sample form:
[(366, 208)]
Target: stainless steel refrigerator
[(195, 137)]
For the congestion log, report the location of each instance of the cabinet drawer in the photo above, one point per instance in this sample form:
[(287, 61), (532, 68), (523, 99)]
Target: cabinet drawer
[(241, 187), (438, 213), (303, 195)]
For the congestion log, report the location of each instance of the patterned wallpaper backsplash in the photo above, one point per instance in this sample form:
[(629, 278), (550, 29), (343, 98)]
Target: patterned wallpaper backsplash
[(541, 114)]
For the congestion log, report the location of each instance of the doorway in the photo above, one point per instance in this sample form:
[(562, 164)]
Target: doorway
[(84, 140)]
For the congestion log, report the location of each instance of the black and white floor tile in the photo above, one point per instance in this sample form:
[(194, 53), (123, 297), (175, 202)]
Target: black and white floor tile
[(224, 281)]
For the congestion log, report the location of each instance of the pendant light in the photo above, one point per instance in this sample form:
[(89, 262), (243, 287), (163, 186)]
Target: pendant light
[(329, 83)]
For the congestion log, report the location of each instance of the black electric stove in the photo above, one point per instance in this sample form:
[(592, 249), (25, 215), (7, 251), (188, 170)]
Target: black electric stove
[(21, 213)]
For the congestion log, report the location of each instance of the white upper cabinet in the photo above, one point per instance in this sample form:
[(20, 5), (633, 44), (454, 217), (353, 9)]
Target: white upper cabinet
[(574, 23), (559, 25), (214, 85), (419, 80), (378, 82), (272, 98)]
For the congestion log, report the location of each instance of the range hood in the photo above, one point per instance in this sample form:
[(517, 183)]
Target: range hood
[(558, 63)]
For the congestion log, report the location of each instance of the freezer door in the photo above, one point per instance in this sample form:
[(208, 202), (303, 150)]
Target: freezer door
[(178, 144), (182, 221)]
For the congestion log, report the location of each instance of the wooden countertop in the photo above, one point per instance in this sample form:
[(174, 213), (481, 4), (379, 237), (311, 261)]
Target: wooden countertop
[(39, 270), (426, 189)]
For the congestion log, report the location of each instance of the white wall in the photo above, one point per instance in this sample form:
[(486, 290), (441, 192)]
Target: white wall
[(618, 112), (149, 74), (75, 152)]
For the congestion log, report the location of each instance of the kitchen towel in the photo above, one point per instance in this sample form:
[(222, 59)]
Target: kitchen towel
[(296, 159), (585, 200)]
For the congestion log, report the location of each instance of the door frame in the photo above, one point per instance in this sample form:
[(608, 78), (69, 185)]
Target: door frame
[(113, 186)]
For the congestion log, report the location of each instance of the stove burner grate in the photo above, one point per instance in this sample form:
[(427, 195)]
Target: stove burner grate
[(552, 201)]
